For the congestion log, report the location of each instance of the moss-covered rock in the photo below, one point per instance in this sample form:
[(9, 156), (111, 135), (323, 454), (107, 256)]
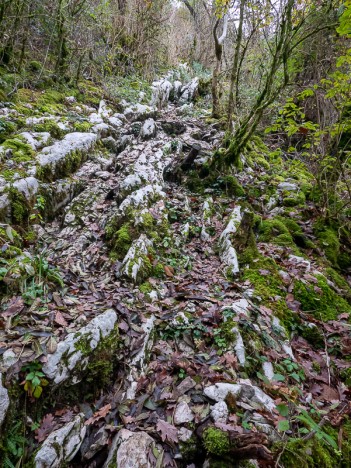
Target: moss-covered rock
[(21, 151), (320, 299), (216, 442)]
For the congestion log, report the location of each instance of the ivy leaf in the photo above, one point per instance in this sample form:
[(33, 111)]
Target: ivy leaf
[(283, 425), (295, 377), (279, 377), (283, 410)]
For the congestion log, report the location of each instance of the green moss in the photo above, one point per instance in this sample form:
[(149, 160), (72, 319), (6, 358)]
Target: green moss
[(51, 127), (313, 335), (216, 441), (63, 168), (145, 269), (338, 280), (33, 65), (6, 129), (158, 270), (306, 454), (20, 208), (294, 199), (82, 126), (146, 288), (324, 303), (21, 151), (270, 289), (123, 240), (102, 363), (89, 94), (271, 228), (231, 186), (9, 235), (330, 243)]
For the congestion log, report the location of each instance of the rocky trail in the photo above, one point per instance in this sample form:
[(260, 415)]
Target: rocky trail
[(159, 345)]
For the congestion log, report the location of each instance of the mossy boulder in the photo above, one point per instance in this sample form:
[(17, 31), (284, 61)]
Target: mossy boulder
[(216, 442), (320, 299)]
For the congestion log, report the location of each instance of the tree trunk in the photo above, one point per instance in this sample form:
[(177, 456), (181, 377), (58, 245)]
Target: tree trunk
[(233, 91)]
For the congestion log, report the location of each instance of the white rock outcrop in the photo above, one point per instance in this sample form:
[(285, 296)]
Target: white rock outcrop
[(219, 391), (160, 93), (130, 450), (4, 401), (189, 91), (71, 355), (36, 140), (220, 412), (148, 130), (243, 390), (134, 260), (28, 186), (139, 112), (52, 156), (61, 445), (228, 253), (239, 347), (183, 413)]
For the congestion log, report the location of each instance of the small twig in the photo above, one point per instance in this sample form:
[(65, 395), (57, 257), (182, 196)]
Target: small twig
[(280, 454), (185, 297), (327, 356)]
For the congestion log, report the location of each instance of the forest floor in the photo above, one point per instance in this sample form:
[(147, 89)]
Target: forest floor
[(197, 321)]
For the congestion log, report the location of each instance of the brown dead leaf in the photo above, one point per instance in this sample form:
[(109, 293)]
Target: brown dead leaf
[(60, 319), (102, 413), (169, 271), (47, 425), (168, 431)]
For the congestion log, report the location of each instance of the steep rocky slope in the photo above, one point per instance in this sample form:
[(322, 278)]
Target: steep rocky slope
[(158, 312)]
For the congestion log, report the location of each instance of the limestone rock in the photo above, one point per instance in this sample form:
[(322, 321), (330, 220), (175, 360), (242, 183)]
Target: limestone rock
[(71, 352), (256, 395), (160, 93), (134, 263), (183, 413), (268, 370), (9, 358), (111, 144), (239, 346), (61, 445), (139, 112), (4, 401), (184, 434), (36, 140), (219, 412), (219, 391), (5, 207), (95, 442), (28, 186), (288, 187), (57, 156), (103, 130), (130, 450), (189, 91), (148, 130), (228, 253)]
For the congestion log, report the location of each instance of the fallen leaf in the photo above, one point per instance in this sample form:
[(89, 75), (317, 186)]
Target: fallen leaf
[(99, 414), (60, 319), (168, 431), (169, 271), (47, 425)]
